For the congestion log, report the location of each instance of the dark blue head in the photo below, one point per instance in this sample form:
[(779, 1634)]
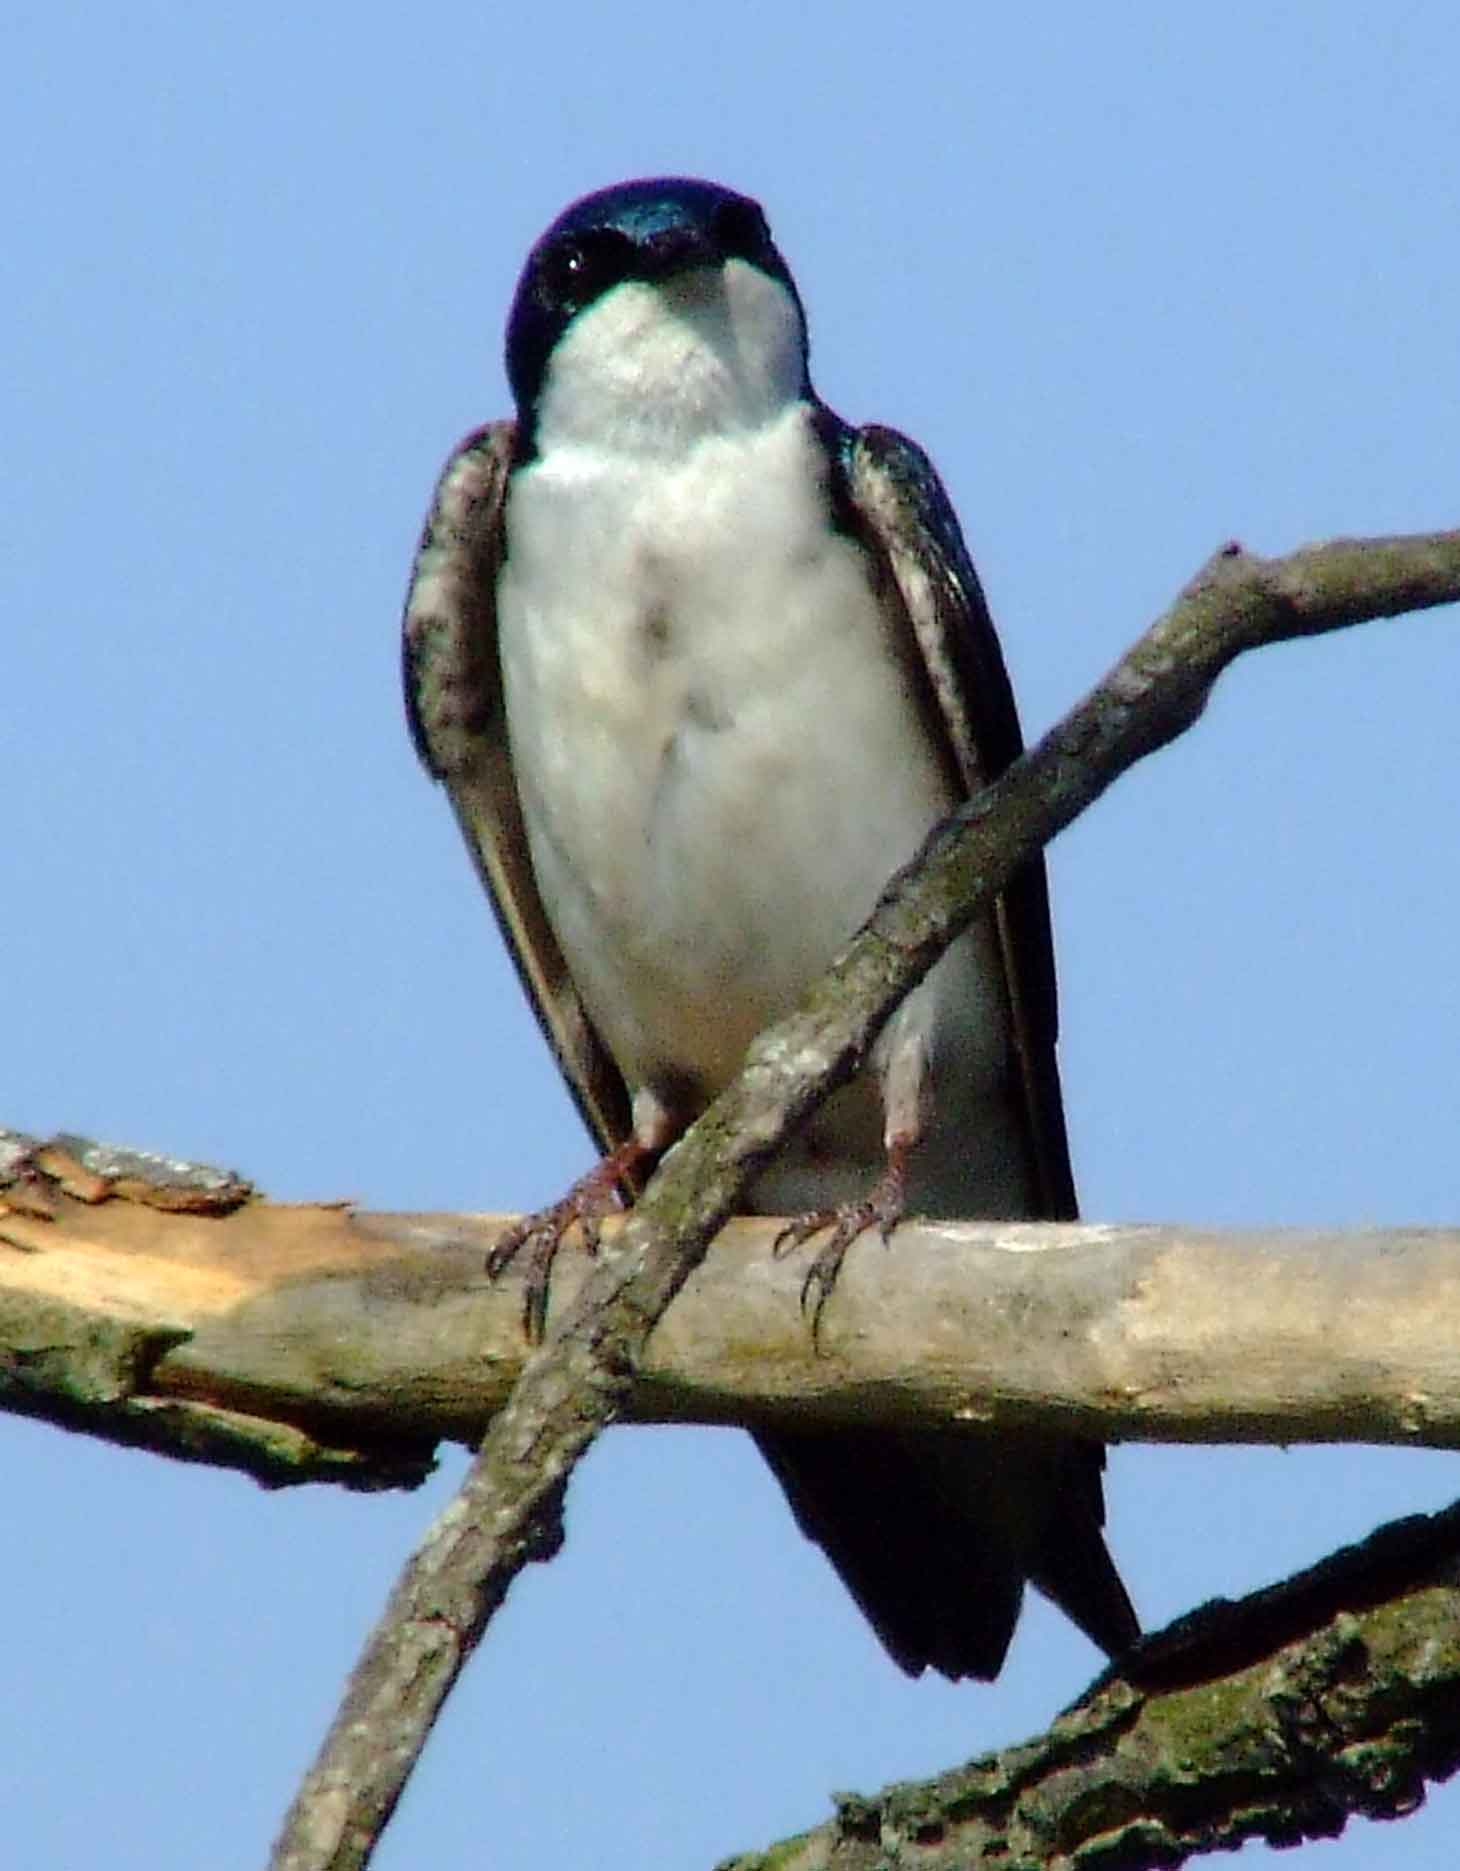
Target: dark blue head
[(644, 230)]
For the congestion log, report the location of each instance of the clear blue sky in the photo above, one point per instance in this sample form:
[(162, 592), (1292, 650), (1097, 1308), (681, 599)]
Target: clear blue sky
[(1142, 278)]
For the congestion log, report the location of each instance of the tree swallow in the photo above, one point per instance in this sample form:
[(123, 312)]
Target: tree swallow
[(700, 665)]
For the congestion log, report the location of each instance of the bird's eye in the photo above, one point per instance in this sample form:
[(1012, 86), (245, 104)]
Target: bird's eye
[(578, 267), (740, 228)]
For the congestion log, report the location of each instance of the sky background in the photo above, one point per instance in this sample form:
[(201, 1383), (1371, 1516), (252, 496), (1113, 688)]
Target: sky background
[(1142, 279)]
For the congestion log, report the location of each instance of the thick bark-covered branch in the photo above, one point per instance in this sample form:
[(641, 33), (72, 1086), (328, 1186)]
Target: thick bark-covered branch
[(1277, 1718), (311, 1342)]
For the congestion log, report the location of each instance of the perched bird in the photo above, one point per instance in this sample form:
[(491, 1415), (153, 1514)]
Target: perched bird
[(700, 665)]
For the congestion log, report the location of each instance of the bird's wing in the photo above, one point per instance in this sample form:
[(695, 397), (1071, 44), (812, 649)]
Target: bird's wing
[(454, 703), (934, 1535), (895, 504)]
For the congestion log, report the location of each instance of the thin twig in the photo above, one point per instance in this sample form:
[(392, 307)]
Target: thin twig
[(507, 1511)]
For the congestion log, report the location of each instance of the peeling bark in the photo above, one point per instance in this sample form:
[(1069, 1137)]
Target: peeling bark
[(310, 1342)]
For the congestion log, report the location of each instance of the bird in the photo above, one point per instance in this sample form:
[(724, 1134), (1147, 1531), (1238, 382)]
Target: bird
[(700, 665)]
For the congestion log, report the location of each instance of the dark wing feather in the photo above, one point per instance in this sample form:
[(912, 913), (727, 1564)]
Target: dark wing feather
[(918, 1526), (454, 704), (903, 516)]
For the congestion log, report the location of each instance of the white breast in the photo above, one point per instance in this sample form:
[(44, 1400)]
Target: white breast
[(718, 759), (719, 755)]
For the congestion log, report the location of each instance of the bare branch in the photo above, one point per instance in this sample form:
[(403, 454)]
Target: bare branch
[(137, 1292), (582, 1377), (313, 1343)]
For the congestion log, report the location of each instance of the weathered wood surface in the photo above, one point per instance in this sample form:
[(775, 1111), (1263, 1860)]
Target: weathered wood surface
[(313, 1341)]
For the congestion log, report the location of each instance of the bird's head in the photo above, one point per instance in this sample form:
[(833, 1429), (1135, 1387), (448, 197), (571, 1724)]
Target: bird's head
[(652, 311)]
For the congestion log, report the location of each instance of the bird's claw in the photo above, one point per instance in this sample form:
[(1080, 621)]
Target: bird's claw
[(538, 1237), (882, 1210)]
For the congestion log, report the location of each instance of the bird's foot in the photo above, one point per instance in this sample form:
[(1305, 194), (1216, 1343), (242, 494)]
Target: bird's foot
[(881, 1208), (538, 1237)]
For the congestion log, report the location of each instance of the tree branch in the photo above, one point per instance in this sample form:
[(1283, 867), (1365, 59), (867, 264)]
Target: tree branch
[(1275, 1718), (315, 1343), (160, 1302), (508, 1508)]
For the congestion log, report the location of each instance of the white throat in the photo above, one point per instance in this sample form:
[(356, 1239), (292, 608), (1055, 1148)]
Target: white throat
[(650, 370)]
